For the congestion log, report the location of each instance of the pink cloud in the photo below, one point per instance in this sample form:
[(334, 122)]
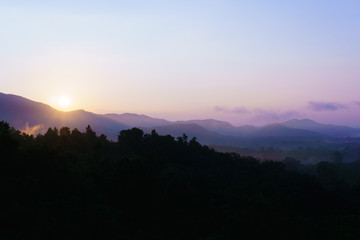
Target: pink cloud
[(357, 103), (237, 110)]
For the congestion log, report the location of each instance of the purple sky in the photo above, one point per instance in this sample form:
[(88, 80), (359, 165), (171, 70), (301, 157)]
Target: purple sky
[(253, 62)]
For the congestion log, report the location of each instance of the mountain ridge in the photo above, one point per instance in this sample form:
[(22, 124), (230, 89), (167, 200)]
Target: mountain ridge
[(20, 112), (325, 129), (136, 120)]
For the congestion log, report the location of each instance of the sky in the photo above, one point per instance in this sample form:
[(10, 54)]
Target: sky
[(246, 62)]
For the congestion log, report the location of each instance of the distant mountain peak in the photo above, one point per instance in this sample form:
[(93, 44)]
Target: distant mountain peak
[(301, 121), (209, 123), (136, 120), (325, 129)]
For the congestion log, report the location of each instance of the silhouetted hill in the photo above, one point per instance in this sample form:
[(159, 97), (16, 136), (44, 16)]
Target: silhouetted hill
[(24, 114), (325, 129), (69, 184), (136, 120)]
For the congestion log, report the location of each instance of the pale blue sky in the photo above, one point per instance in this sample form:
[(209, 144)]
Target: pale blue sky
[(187, 59)]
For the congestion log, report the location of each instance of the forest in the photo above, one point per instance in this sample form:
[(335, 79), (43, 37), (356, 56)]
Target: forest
[(68, 184)]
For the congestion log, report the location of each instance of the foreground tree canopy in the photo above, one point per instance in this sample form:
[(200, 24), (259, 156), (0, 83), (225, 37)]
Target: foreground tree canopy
[(67, 184)]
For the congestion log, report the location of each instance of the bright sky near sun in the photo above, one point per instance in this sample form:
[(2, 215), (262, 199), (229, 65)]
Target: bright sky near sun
[(247, 62)]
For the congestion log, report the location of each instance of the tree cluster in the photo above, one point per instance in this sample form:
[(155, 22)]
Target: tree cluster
[(67, 184)]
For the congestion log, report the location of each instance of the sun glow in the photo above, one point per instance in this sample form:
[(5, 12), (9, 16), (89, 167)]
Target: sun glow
[(64, 102)]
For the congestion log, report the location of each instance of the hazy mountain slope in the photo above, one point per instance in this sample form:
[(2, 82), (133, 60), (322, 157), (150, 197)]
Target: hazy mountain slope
[(21, 112), (246, 130), (221, 127), (18, 111), (326, 129), (98, 123), (275, 136), (278, 130), (136, 120), (203, 135)]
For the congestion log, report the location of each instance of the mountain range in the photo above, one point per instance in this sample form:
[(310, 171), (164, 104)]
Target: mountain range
[(35, 117)]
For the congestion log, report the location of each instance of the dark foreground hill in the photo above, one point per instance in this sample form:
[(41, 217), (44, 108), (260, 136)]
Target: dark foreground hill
[(67, 184)]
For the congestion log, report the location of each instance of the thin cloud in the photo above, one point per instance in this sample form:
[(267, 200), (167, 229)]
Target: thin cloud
[(219, 109), (325, 106), (357, 103), (240, 110), (237, 110)]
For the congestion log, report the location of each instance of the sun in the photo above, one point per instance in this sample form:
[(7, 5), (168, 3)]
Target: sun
[(64, 102)]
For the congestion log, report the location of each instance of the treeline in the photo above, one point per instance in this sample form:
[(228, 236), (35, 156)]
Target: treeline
[(67, 184)]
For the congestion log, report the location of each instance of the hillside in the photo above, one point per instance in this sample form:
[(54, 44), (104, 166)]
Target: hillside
[(36, 117), (67, 184)]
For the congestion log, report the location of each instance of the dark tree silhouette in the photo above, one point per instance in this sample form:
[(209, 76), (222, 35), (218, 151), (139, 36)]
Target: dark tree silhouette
[(69, 184)]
